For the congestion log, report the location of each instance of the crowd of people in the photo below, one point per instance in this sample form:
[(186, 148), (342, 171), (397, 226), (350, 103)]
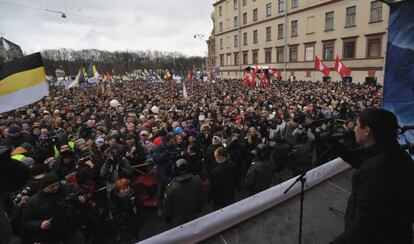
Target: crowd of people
[(86, 147)]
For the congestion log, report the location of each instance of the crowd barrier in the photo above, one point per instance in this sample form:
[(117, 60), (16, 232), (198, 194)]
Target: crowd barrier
[(215, 222)]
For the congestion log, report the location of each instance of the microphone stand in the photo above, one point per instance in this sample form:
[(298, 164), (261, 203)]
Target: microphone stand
[(302, 180)]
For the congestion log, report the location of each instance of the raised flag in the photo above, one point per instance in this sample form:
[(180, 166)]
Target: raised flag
[(22, 82), (254, 75), (340, 67), (321, 67), (80, 78), (275, 74), (185, 95), (246, 79), (264, 79), (190, 76)]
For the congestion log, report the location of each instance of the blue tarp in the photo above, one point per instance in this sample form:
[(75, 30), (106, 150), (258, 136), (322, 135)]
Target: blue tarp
[(399, 66)]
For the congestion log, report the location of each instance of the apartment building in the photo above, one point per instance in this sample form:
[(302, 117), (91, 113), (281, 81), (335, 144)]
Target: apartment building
[(288, 34)]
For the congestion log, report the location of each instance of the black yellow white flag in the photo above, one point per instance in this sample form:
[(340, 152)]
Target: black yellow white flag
[(22, 82)]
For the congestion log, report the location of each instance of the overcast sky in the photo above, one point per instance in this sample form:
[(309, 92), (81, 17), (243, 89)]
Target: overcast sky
[(164, 25)]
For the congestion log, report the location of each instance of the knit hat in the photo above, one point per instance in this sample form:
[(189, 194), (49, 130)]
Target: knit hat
[(14, 129), (216, 140), (157, 140), (121, 183), (79, 142), (38, 169), (18, 150), (49, 179), (28, 161)]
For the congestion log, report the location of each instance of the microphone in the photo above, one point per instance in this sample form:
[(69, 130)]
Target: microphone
[(406, 127)]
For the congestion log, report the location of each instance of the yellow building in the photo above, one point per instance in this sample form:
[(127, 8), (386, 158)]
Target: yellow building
[(288, 34)]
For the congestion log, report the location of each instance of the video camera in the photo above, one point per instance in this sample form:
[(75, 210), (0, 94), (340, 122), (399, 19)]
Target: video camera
[(25, 192)]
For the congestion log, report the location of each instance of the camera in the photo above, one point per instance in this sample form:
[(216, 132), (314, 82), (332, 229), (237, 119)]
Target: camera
[(25, 192)]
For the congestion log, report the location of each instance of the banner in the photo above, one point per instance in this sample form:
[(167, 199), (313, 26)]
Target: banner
[(399, 65)]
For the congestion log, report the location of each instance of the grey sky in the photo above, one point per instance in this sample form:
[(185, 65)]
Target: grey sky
[(164, 25)]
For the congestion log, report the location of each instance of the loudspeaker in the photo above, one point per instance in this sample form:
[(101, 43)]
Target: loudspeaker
[(347, 79)]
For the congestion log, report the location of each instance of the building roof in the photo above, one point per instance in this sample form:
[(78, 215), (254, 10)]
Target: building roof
[(7, 45)]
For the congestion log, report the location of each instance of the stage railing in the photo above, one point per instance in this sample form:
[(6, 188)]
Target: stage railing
[(215, 222)]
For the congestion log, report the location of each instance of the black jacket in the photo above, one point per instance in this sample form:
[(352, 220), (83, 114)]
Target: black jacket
[(182, 201), (380, 207), (259, 177), (44, 206), (223, 184)]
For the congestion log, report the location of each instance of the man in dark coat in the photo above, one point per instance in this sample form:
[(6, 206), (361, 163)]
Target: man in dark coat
[(261, 171), (223, 180), (380, 208), (49, 215), (182, 201)]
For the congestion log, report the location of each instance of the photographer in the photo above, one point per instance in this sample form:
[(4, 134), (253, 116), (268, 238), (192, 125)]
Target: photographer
[(66, 164), (115, 167), (260, 174), (50, 215), (380, 208)]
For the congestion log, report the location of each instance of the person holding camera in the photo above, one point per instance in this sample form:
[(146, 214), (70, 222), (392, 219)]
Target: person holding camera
[(381, 206), (182, 200), (50, 215)]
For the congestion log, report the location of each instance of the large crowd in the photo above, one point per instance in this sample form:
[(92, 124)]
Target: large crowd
[(88, 149)]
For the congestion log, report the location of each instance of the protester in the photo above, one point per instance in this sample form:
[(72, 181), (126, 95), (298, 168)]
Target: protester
[(92, 143)]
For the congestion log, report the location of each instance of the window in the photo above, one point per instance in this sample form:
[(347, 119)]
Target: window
[(329, 21), (295, 3), (236, 21), (221, 44), (280, 31), (236, 40), (350, 16), (374, 47), (244, 18), (280, 54), (268, 56), (221, 26), (294, 31), (244, 2), (349, 47), (245, 39), (310, 25), (268, 34), (254, 36), (281, 6), (221, 59), (245, 58), (309, 51), (376, 11), (234, 4), (229, 59), (268, 9), (293, 53), (255, 14), (228, 42), (236, 58), (328, 50), (220, 11), (255, 57)]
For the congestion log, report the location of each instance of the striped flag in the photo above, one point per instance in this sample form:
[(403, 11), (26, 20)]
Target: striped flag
[(22, 82)]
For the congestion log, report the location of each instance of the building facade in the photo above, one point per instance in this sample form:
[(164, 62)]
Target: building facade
[(288, 34)]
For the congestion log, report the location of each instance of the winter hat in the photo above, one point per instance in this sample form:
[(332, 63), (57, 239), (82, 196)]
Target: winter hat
[(216, 140), (121, 183), (38, 169), (18, 150), (157, 140), (14, 129), (49, 179), (220, 154), (79, 142), (27, 146)]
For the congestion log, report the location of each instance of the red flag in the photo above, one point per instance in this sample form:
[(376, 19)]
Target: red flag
[(190, 76), (275, 74), (254, 75), (321, 67), (246, 79), (264, 79), (340, 67)]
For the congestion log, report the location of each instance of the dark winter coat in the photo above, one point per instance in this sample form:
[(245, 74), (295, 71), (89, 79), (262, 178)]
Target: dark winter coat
[(182, 201), (223, 184), (259, 177), (380, 207)]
